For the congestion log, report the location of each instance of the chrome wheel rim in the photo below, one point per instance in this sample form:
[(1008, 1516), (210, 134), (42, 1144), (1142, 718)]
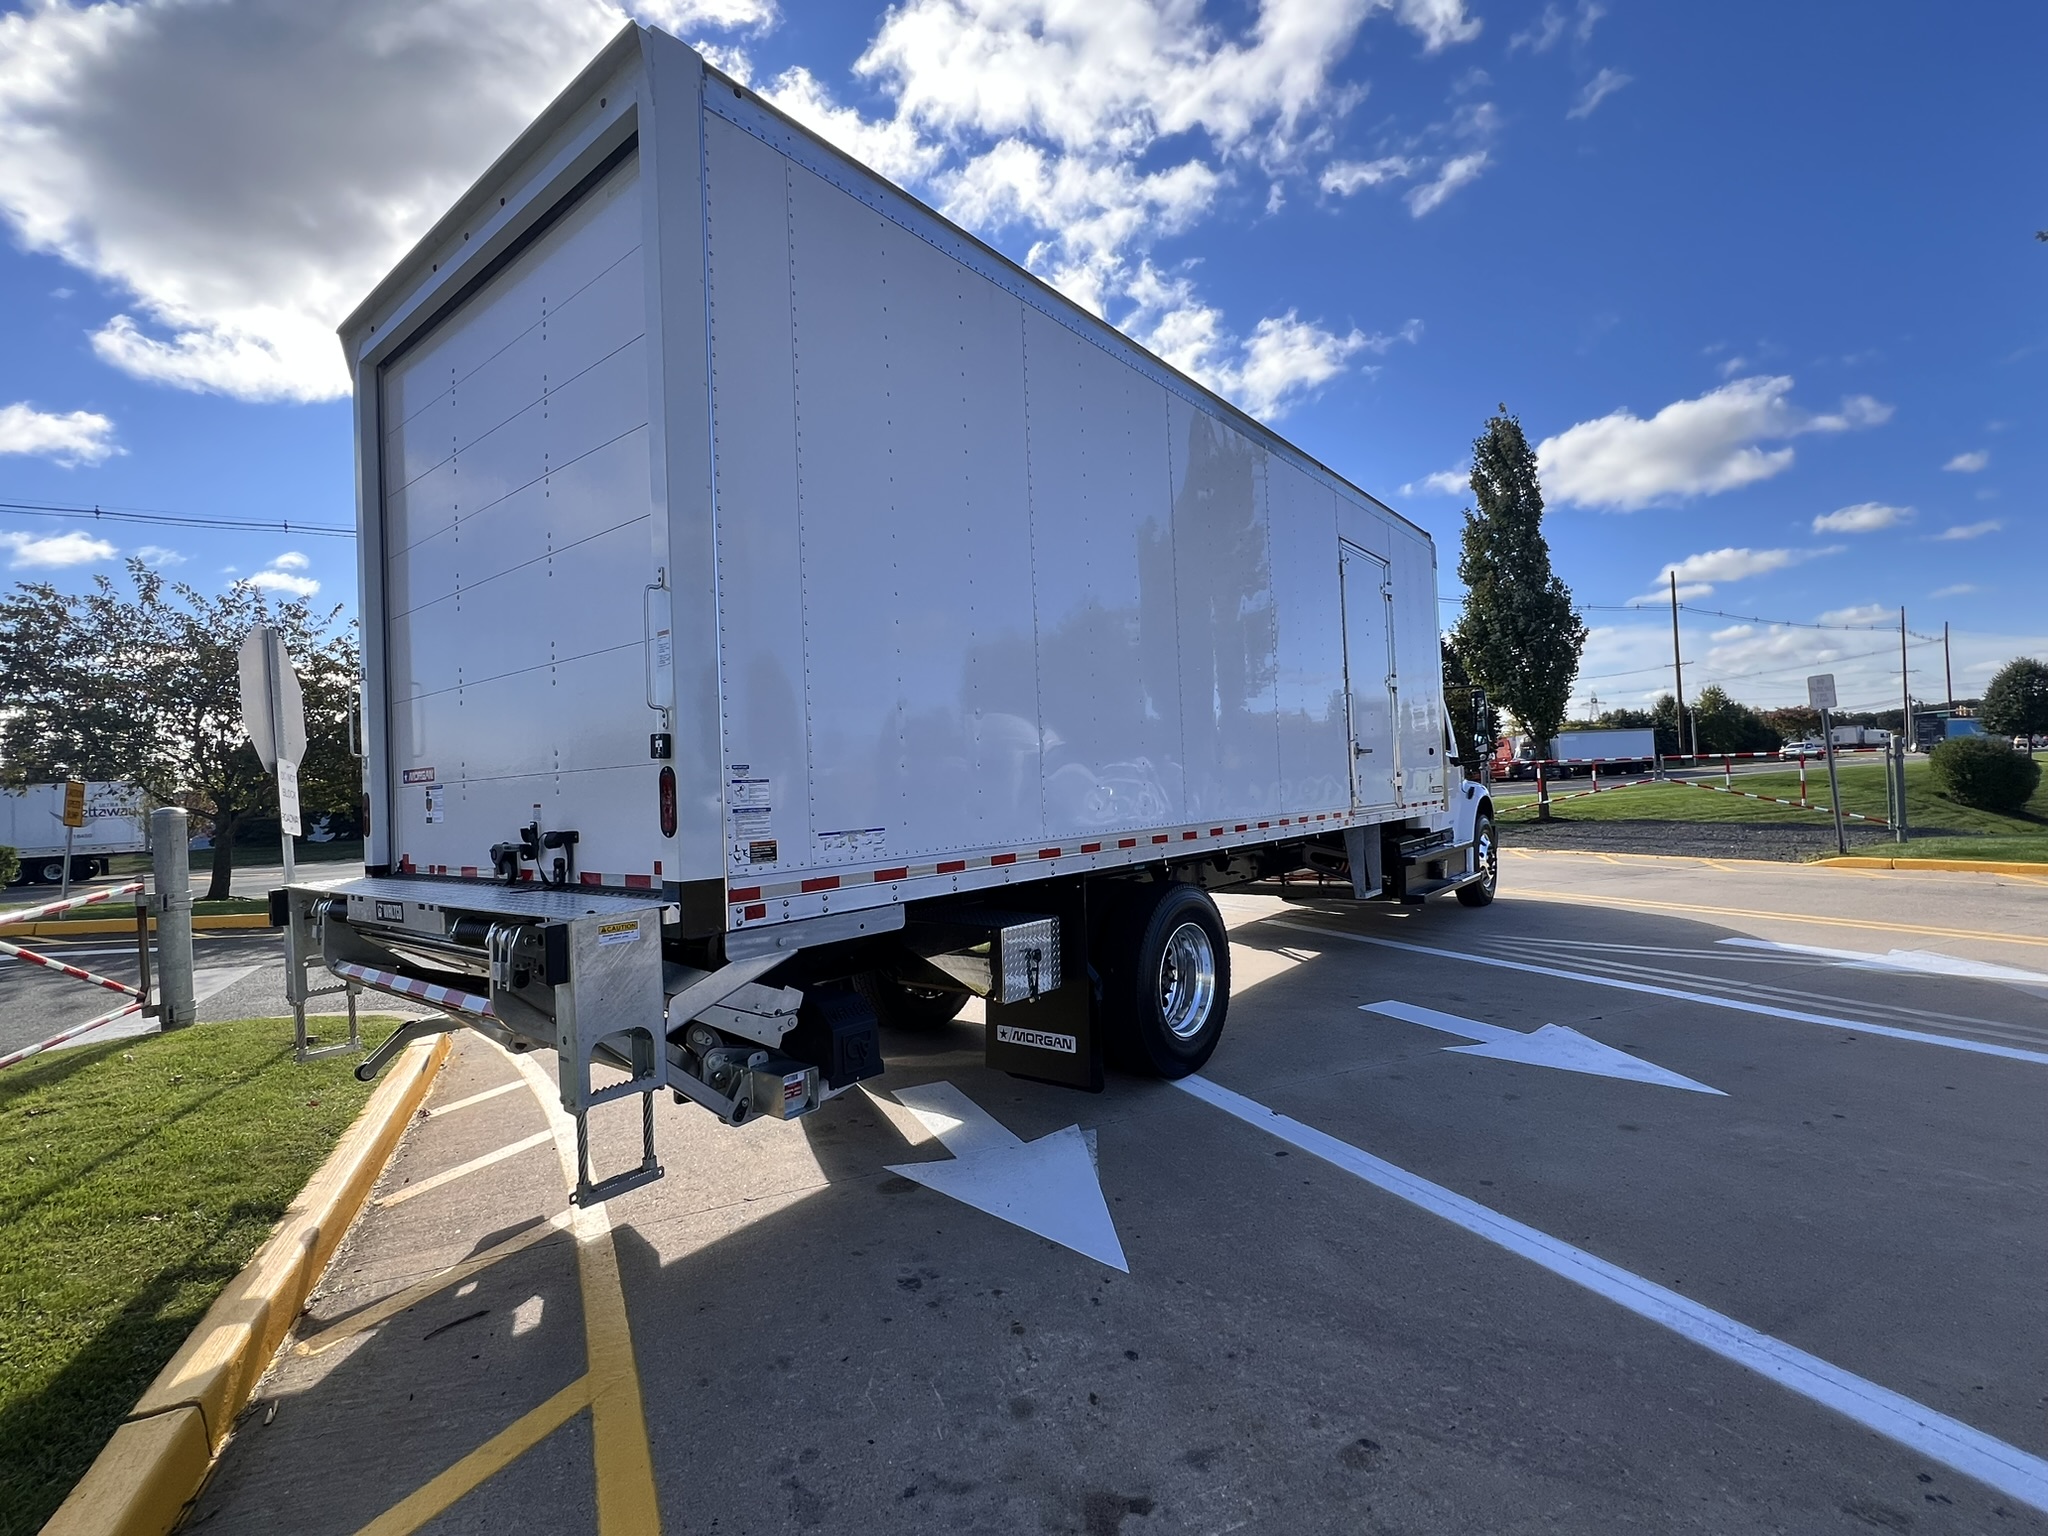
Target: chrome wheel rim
[(1187, 980), (1489, 857)]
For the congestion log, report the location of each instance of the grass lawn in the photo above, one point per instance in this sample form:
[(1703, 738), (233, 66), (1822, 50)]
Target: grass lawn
[(136, 1178), (1949, 827)]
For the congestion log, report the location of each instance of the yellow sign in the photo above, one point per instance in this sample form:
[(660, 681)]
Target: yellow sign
[(74, 802)]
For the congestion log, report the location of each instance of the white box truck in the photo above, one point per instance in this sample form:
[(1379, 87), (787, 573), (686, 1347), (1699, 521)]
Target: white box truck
[(1618, 751), (783, 615), (32, 824)]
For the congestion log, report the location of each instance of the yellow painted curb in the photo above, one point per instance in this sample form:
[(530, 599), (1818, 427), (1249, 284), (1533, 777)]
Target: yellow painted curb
[(86, 929), (152, 1469), (1953, 866)]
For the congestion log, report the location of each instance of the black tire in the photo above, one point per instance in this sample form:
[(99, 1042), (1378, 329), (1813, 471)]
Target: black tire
[(1486, 849), (51, 872), (918, 1009), (1165, 965)]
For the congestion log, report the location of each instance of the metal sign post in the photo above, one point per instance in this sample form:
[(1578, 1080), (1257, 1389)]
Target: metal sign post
[(1820, 695), (74, 818), (274, 713)]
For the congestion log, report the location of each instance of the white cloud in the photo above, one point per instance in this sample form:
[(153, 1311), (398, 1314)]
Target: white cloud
[(77, 437), (1861, 613), (1597, 90), (1968, 463), (285, 574), (247, 171), (1114, 76), (1345, 177), (1960, 589), (1699, 574), (158, 556), (1455, 173), (1543, 36), (282, 581), (1864, 517), (1687, 591), (1731, 564), (54, 551), (1445, 482), (1047, 119), (891, 146), (1439, 22), (1970, 530), (1284, 359), (1690, 448)]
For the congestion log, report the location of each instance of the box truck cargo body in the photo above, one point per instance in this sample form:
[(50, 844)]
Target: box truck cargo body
[(32, 824), (780, 610)]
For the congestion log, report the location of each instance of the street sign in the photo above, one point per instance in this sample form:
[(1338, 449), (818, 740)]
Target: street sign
[(288, 799), (273, 709), (274, 714), (74, 802), (1820, 691)]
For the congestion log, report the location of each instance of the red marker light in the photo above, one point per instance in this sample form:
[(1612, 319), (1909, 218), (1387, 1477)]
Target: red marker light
[(668, 802)]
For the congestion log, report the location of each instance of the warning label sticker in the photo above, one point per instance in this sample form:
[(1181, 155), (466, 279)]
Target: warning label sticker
[(625, 931), (419, 775), (437, 803), (1038, 1039)]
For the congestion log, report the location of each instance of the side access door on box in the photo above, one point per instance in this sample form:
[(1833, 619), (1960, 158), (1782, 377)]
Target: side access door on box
[(1369, 676)]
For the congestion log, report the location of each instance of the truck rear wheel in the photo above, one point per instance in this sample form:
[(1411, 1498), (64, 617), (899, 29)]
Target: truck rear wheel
[(910, 1008), (1166, 983), (51, 871)]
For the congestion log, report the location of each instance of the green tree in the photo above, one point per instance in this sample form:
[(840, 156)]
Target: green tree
[(146, 688), (1519, 635), (2016, 702), (1727, 726)]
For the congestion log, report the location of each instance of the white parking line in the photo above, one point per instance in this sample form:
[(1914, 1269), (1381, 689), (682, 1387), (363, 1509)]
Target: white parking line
[(463, 1170), (1949, 1441), (1797, 1015)]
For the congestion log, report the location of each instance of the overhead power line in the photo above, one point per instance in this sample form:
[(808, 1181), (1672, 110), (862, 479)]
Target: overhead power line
[(174, 520)]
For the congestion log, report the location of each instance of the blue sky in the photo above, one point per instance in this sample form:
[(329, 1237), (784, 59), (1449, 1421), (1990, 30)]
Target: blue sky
[(1762, 280)]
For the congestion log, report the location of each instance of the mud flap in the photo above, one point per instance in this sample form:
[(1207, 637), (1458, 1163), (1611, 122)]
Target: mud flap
[(1053, 1039)]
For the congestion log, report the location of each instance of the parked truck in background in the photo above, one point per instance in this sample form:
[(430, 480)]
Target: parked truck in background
[(783, 617), (32, 824), (1622, 751), (1575, 753), (1859, 736)]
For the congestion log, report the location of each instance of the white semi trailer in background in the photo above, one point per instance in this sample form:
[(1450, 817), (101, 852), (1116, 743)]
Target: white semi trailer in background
[(783, 615), (32, 824)]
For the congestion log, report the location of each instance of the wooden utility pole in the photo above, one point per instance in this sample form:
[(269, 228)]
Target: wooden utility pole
[(1678, 672)]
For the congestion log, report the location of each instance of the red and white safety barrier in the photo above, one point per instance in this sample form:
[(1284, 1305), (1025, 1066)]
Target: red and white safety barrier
[(70, 1034), (409, 986), (30, 914), (1797, 805), (1578, 794), (72, 971)]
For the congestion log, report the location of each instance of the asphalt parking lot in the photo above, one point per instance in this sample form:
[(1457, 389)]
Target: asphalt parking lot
[(1660, 1196)]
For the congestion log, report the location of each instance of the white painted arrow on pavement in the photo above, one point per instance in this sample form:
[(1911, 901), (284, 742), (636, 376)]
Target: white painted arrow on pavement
[(1048, 1186), (1551, 1046)]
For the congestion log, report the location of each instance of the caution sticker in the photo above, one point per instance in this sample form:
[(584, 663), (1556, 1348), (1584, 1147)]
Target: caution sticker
[(625, 931)]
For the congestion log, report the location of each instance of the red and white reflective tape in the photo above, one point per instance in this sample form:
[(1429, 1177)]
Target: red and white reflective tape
[(1134, 847), (1743, 794), (30, 914), (1578, 794), (69, 1034), (408, 986), (72, 971)]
